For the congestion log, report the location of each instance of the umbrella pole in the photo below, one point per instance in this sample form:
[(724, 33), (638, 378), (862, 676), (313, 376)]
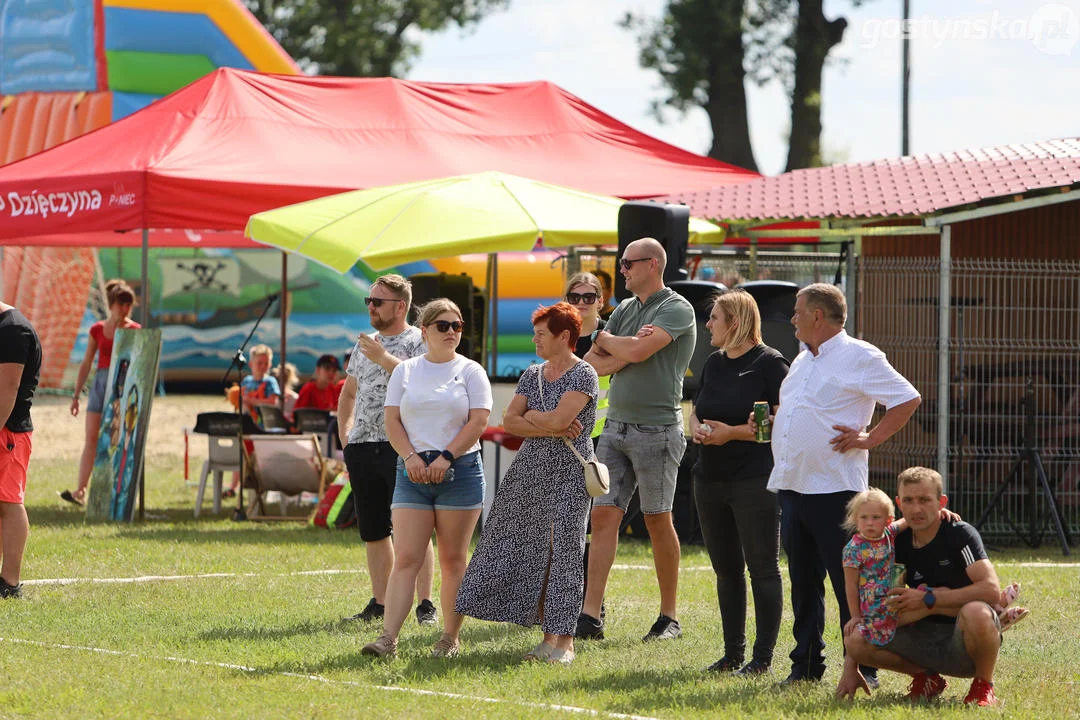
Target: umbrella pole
[(493, 296), (144, 292), (284, 324)]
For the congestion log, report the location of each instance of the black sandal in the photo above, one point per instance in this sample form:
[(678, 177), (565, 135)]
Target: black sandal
[(67, 495)]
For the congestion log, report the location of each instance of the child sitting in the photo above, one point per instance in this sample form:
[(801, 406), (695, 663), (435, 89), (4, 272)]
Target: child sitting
[(323, 390)]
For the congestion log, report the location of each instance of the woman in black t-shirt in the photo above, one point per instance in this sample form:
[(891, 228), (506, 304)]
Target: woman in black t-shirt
[(739, 516)]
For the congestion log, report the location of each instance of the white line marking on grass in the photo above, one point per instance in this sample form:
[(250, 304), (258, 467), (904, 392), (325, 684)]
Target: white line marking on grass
[(329, 681), (203, 576), (166, 578)]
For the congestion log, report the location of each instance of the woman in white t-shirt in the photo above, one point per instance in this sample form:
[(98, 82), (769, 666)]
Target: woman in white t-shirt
[(437, 406)]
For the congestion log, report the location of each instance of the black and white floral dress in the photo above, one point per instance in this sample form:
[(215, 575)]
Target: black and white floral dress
[(539, 514)]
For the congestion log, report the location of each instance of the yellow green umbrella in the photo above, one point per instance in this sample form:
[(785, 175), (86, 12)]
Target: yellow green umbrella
[(480, 213)]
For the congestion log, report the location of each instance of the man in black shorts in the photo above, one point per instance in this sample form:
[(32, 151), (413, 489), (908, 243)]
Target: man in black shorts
[(369, 457), (952, 589)]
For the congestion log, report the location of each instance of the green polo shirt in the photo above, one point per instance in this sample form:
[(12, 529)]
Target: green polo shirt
[(650, 392)]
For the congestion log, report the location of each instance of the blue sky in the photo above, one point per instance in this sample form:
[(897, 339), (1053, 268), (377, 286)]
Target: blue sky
[(983, 73)]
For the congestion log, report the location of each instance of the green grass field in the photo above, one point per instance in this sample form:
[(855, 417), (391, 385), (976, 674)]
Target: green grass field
[(178, 618)]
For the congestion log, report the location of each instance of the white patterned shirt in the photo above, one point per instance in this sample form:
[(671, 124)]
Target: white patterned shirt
[(371, 381), (841, 385)]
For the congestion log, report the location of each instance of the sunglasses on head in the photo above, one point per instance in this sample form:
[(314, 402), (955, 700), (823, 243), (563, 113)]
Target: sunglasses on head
[(447, 325), (377, 302), (626, 263), (584, 298)]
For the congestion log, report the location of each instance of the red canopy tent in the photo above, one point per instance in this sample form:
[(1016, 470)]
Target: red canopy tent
[(235, 143)]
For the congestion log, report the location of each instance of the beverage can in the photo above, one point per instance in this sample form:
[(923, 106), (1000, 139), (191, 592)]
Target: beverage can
[(762, 423), (898, 575)]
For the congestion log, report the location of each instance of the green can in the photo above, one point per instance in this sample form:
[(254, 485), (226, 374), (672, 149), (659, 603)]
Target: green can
[(762, 424)]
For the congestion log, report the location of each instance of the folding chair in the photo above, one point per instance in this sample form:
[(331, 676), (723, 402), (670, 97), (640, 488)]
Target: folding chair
[(273, 420), (222, 429), (289, 464)]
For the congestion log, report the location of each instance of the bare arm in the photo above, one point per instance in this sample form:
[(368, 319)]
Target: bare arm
[(851, 592), (373, 350), (633, 349), (603, 362), (894, 419), (345, 407), (84, 372), (515, 422), (10, 377), (467, 436), (415, 466), (948, 601), (564, 414)]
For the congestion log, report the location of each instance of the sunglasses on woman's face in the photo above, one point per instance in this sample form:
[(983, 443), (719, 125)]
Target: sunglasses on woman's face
[(583, 298), (377, 302), (446, 325)]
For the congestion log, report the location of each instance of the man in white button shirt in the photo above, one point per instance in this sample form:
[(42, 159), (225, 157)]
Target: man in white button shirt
[(820, 450)]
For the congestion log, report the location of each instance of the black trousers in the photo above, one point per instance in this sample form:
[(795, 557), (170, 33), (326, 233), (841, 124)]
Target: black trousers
[(810, 527), (740, 524)]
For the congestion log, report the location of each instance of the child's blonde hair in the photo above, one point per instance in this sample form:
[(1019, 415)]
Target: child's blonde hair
[(874, 495)]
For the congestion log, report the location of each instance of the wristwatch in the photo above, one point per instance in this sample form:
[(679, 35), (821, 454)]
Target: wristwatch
[(928, 598), (448, 455)]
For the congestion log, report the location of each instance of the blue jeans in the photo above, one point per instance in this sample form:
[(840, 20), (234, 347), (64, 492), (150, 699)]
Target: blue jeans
[(464, 492), (642, 457)]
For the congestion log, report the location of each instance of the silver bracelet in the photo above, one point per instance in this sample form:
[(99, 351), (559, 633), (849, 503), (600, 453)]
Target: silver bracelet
[(406, 458)]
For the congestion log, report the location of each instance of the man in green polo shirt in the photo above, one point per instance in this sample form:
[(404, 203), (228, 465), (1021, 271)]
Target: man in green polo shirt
[(646, 348)]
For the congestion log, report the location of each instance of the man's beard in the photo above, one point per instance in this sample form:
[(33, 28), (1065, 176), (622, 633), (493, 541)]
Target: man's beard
[(379, 324)]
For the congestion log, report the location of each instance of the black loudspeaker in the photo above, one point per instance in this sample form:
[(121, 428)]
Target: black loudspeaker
[(701, 294), (459, 288), (776, 303), (668, 224)]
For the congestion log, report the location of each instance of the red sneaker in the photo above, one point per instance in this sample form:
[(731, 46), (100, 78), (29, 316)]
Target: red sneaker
[(981, 693), (925, 687)]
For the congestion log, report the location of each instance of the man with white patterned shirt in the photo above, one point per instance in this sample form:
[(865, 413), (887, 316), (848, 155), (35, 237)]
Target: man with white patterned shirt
[(369, 457), (820, 451)]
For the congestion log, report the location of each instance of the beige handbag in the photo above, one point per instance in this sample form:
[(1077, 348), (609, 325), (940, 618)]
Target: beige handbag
[(597, 480)]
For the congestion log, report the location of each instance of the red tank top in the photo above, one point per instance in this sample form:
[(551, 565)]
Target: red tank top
[(105, 344)]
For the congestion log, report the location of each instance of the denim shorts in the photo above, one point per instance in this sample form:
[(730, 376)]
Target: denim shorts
[(464, 492), (96, 402), (645, 457)]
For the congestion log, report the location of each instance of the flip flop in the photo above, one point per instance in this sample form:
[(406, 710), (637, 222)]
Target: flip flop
[(1012, 616), (69, 497)]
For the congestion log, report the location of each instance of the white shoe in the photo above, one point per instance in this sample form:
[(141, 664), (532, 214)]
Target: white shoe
[(541, 653), (561, 657)]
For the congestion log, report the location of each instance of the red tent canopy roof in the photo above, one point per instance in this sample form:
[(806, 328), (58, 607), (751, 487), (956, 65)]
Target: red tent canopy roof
[(894, 187), (235, 143)]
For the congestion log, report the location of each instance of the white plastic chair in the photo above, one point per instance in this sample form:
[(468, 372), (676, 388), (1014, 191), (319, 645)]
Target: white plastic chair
[(223, 457)]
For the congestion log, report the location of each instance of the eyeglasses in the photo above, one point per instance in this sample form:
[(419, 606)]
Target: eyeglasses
[(377, 302), (626, 263), (583, 298), (447, 325)]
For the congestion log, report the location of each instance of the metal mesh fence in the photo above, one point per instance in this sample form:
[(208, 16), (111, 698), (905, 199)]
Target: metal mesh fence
[(1014, 354)]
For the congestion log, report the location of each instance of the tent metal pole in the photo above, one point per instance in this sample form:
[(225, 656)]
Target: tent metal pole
[(944, 307), (144, 290)]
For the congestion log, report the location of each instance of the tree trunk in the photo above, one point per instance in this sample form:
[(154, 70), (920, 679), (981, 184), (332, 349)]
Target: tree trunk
[(727, 96), (814, 38)]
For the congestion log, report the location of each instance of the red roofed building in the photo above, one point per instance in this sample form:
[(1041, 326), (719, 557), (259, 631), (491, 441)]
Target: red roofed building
[(969, 278)]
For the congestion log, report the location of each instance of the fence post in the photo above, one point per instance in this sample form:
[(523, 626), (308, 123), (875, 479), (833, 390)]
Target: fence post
[(944, 308)]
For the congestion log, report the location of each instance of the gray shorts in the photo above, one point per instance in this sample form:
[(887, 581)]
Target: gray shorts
[(645, 457), (937, 647), (96, 402)]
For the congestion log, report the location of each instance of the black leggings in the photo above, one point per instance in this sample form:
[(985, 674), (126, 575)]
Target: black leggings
[(740, 523)]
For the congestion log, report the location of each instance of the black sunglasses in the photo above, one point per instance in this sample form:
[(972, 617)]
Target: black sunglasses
[(377, 302), (626, 264), (584, 298), (446, 325)]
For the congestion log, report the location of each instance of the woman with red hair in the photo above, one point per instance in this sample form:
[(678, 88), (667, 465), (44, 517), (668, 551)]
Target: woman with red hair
[(527, 566)]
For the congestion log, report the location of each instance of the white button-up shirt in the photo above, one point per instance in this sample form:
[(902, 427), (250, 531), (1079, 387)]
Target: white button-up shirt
[(841, 385)]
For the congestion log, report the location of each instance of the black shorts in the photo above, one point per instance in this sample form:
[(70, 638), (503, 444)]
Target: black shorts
[(372, 467)]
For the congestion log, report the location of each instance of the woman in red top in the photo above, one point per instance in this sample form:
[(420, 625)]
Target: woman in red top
[(121, 298)]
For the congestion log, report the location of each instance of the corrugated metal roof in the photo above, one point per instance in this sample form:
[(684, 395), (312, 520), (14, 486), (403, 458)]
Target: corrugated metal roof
[(906, 186), (32, 122)]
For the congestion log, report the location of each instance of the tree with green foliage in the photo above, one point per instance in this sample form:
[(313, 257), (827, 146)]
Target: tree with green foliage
[(705, 50), (362, 38)]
